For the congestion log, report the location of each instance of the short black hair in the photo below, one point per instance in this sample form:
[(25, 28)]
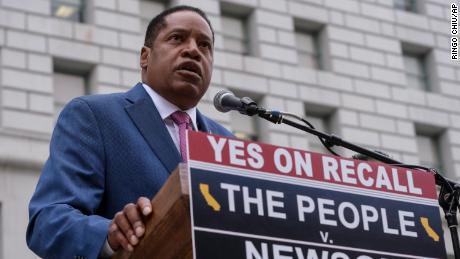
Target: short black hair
[(158, 22)]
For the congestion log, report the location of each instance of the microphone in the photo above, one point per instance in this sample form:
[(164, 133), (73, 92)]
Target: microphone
[(225, 101)]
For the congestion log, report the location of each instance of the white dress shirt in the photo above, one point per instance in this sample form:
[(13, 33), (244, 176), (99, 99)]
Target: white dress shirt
[(165, 108)]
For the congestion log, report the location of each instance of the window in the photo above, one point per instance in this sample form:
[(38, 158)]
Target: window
[(321, 123), (307, 37), (405, 5), (234, 33), (430, 140), (416, 61), (68, 9), (150, 9), (323, 118), (307, 49), (243, 126), (67, 87), (70, 80), (234, 19), (416, 74), (429, 150)]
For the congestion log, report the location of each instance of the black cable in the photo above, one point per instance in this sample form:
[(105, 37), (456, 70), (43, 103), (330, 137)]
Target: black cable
[(325, 144), (331, 140), (278, 118)]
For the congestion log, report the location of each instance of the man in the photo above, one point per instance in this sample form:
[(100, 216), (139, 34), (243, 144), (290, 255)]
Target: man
[(110, 154)]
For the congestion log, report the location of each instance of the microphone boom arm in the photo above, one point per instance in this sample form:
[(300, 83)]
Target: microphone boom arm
[(278, 118)]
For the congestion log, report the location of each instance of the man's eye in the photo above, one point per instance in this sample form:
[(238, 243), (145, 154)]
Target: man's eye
[(175, 37), (205, 44)]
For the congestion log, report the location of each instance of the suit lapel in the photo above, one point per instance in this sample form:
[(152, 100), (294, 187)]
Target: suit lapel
[(202, 123), (147, 119)]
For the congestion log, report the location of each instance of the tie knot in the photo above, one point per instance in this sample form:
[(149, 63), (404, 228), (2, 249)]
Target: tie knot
[(180, 117)]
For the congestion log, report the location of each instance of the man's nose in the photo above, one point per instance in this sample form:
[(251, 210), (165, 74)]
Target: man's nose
[(191, 50)]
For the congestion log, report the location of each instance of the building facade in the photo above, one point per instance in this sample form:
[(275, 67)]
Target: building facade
[(379, 73)]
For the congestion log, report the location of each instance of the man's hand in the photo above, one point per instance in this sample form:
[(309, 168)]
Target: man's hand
[(127, 227)]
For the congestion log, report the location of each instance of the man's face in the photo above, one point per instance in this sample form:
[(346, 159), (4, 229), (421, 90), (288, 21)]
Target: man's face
[(179, 64)]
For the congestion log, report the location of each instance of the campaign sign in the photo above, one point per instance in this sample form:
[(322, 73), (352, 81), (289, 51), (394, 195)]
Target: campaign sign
[(257, 201)]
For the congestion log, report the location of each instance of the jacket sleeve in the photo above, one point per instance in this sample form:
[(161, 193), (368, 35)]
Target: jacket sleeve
[(62, 212)]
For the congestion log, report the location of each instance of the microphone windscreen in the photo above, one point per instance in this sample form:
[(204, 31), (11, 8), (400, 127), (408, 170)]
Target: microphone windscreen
[(218, 100)]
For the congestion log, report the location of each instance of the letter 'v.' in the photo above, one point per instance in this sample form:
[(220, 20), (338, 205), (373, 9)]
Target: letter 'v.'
[(324, 236)]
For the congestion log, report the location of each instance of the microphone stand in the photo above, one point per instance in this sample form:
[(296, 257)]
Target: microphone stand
[(448, 196)]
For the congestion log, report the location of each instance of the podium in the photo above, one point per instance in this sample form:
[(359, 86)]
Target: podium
[(241, 199), (168, 232)]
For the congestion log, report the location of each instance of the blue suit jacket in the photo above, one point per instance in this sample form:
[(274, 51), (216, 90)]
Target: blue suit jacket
[(106, 151)]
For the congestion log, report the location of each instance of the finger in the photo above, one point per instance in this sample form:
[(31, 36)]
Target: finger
[(132, 212), (111, 237), (145, 205), (117, 239), (123, 241), (125, 227)]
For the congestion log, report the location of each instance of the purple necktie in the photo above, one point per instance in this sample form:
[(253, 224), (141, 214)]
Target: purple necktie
[(183, 121)]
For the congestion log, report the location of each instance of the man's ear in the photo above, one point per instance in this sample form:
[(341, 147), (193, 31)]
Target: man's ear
[(144, 60)]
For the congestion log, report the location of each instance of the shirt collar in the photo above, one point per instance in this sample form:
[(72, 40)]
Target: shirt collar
[(166, 108)]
